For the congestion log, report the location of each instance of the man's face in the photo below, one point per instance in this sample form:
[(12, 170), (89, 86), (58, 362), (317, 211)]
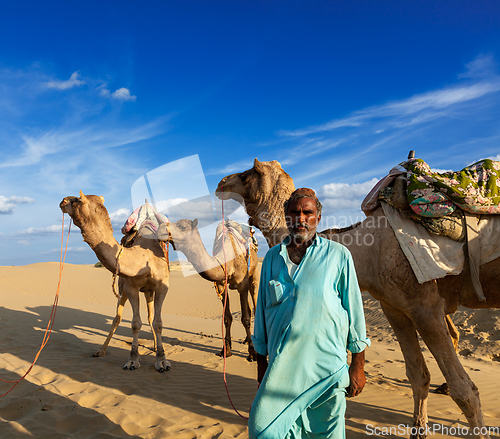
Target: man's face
[(302, 219)]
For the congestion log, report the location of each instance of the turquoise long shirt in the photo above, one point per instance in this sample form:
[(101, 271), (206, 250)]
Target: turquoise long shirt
[(305, 325)]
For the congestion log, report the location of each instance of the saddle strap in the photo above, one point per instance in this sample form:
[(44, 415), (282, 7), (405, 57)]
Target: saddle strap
[(472, 250)]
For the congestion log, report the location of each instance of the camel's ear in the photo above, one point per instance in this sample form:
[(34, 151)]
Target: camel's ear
[(83, 198), (102, 199), (195, 223), (258, 166)]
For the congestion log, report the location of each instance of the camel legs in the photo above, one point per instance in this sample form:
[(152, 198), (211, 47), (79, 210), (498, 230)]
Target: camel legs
[(118, 318), (416, 369), (161, 364), (228, 319), (253, 289), (454, 334), (246, 318), (133, 296), (431, 325), (116, 321), (150, 304)]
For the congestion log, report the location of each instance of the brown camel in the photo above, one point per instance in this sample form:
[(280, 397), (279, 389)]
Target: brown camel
[(141, 267), (186, 238), (383, 271)]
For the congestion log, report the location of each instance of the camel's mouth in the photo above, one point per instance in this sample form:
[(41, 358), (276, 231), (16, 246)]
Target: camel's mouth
[(65, 204), (219, 192)]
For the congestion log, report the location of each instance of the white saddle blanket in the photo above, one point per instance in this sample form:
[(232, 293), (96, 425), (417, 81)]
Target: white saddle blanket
[(432, 256)]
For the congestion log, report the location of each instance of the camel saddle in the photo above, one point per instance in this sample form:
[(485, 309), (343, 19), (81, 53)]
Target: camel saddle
[(456, 223), (144, 216)]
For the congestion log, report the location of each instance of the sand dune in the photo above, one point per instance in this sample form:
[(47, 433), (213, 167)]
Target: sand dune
[(70, 394)]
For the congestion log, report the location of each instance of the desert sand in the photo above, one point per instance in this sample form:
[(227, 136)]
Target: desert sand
[(70, 394)]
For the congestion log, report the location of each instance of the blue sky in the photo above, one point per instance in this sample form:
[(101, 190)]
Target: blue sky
[(93, 95)]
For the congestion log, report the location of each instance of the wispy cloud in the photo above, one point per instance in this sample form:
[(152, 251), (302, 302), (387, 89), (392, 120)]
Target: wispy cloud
[(482, 66), (416, 109), (122, 94), (73, 81), (232, 168), (39, 231), (119, 216), (7, 204), (343, 195), (68, 250), (446, 116), (33, 149)]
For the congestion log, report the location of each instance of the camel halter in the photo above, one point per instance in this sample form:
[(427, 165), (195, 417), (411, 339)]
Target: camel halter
[(115, 274), (164, 246), (50, 324)]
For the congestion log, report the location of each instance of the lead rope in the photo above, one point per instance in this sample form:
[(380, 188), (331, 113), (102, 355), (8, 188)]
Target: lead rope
[(164, 247), (115, 274), (225, 301), (52, 317)]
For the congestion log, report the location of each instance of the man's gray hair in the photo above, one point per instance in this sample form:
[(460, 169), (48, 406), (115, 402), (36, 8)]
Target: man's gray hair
[(303, 193)]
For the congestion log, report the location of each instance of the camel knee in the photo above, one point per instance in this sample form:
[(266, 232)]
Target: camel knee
[(158, 326), (136, 325), (467, 398), (246, 322)]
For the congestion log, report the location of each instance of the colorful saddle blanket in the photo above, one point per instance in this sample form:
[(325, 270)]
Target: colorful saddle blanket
[(475, 188), (144, 216)]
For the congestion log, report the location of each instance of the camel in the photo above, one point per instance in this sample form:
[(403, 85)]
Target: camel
[(383, 271), (122, 300), (186, 238), (141, 267)]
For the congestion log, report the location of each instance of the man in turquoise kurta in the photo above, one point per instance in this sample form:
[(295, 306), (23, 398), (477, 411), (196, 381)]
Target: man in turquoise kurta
[(309, 312)]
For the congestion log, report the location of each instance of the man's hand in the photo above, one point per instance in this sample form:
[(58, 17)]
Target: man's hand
[(356, 375)]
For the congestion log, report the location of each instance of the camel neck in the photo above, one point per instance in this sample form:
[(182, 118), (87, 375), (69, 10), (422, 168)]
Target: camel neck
[(207, 266)]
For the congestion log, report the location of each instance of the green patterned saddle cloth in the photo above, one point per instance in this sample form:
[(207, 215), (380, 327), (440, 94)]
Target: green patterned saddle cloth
[(474, 189)]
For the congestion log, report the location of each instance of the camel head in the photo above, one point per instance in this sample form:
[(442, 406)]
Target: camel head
[(86, 210), (264, 188), (178, 233)]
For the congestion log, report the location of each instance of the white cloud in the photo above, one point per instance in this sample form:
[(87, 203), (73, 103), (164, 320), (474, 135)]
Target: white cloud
[(69, 250), (73, 81), (39, 231), (85, 139), (23, 242), (202, 210), (416, 109), (119, 216), (7, 205), (166, 204), (482, 66), (343, 195), (123, 94), (103, 90), (232, 168)]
